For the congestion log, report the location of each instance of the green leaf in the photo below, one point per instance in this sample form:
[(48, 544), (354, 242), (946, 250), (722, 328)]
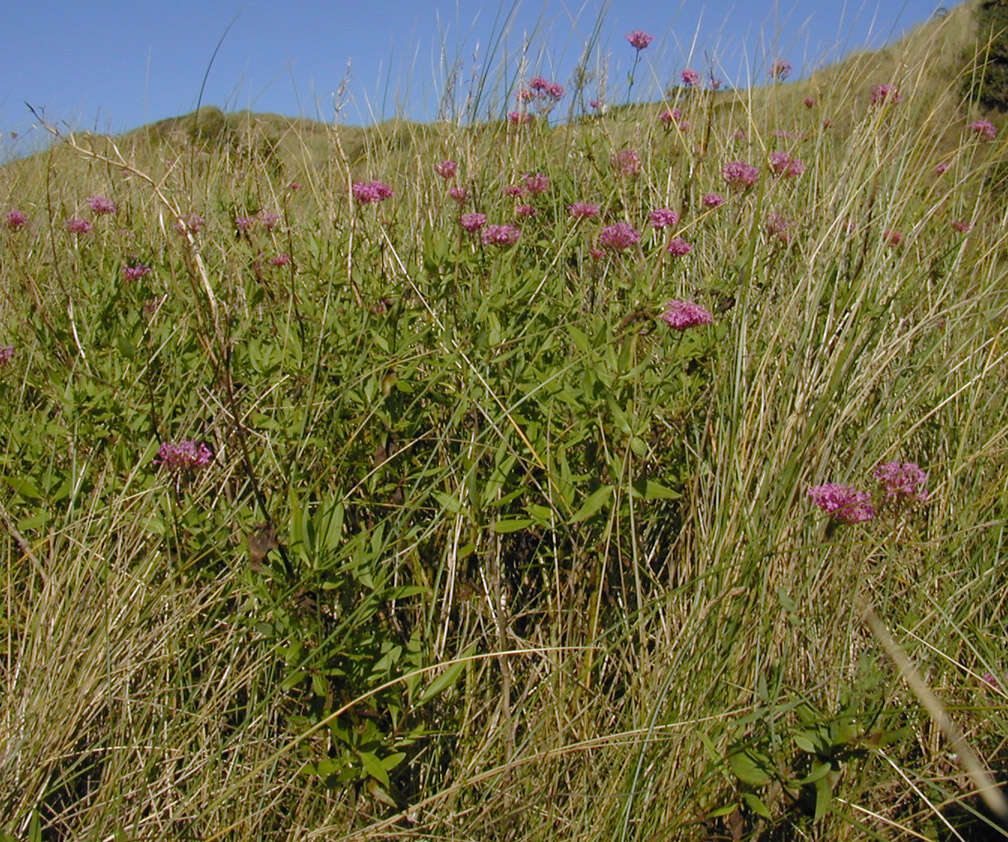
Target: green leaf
[(824, 795), (723, 811), (596, 500), (755, 803), (443, 681), (513, 525), (25, 487), (373, 766), (819, 771), (747, 769), (649, 489)]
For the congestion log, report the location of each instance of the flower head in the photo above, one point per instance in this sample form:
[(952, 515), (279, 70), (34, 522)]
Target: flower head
[(583, 210), (189, 223), (525, 210), (881, 94), (779, 227), (518, 117), (984, 129), (500, 235), (243, 223), (780, 69), (268, 219), (627, 162), (620, 236), (369, 192), (663, 218), (809, 102), (513, 190), (135, 272), (536, 184), (15, 220), (678, 247), (842, 503), (472, 222), (75, 225), (690, 78), (902, 480), (100, 205), (446, 169), (680, 315), (892, 238), (183, 456), (639, 39), (740, 174), (712, 200), (459, 194), (784, 165), (6, 354), (942, 167), (280, 260)]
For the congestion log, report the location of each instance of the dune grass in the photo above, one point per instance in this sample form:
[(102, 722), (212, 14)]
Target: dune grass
[(486, 549)]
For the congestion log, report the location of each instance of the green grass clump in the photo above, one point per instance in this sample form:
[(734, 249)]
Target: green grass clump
[(482, 547)]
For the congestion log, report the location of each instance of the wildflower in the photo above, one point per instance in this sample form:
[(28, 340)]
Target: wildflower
[(619, 236), (293, 187), (6, 354), (961, 227), (779, 227), (280, 260), (663, 218), (984, 129), (472, 222), (525, 210), (680, 315), (539, 84), (690, 78), (740, 134), (369, 192), (459, 194), (669, 117), (678, 247), (76, 225), (500, 235), (881, 94), (517, 117), (268, 219), (942, 167), (446, 169), (596, 105), (596, 254), (780, 69), (739, 174), (827, 124), (135, 272), (525, 95), (990, 679), (809, 102), (784, 165), (583, 210), (513, 190), (639, 39), (183, 456), (902, 480), (712, 200), (715, 84), (627, 162), (243, 223), (845, 504), (536, 184), (189, 223), (555, 91), (15, 219), (101, 205), (892, 238)]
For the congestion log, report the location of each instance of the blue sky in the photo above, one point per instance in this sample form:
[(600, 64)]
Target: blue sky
[(111, 65)]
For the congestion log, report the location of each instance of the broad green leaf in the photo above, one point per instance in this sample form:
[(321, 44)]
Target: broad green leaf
[(755, 803), (824, 795), (442, 682), (25, 487), (650, 489), (373, 766), (596, 500), (819, 771), (514, 525), (747, 769)]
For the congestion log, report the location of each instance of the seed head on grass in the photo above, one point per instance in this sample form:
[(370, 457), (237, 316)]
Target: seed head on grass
[(843, 503), (681, 315), (183, 456)]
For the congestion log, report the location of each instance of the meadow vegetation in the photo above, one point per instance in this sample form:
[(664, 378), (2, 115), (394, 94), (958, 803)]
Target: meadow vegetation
[(513, 480)]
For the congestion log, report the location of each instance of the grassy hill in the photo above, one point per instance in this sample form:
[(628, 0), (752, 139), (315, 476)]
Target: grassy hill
[(638, 478)]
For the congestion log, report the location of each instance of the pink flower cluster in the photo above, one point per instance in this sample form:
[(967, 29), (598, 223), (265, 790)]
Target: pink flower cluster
[(583, 210), (620, 236), (519, 117), (459, 194), (500, 235), (536, 184), (626, 162), (15, 219), (843, 503), (690, 78), (713, 200), (784, 165), (369, 192), (6, 354), (780, 69), (779, 227), (881, 94), (135, 272), (183, 456), (678, 247), (740, 174), (76, 225), (902, 481), (984, 129), (664, 218), (189, 223), (268, 219), (472, 222), (680, 315), (280, 260), (101, 205), (446, 169), (639, 39)]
